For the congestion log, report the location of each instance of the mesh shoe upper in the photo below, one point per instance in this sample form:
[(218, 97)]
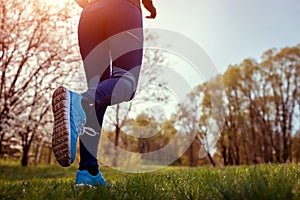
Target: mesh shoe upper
[(77, 120), (84, 178)]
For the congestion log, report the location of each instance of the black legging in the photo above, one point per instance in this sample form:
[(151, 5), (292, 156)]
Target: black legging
[(99, 21)]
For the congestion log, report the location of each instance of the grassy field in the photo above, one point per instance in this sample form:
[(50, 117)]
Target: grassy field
[(255, 182)]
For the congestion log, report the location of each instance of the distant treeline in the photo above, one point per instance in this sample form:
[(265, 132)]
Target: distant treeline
[(259, 115)]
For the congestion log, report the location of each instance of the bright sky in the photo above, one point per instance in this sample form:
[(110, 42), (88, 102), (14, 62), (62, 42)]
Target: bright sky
[(231, 30)]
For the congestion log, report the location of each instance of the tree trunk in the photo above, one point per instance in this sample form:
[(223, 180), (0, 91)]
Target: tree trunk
[(115, 159), (230, 155), (290, 148), (191, 156), (125, 142), (284, 130), (26, 143), (277, 147), (1, 139), (266, 151), (118, 129), (224, 155), (285, 147), (236, 147), (39, 152), (24, 160), (245, 152), (142, 145), (237, 159), (253, 137), (211, 159), (49, 155)]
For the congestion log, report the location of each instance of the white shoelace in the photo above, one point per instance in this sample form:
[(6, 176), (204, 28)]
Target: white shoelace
[(84, 130), (88, 130)]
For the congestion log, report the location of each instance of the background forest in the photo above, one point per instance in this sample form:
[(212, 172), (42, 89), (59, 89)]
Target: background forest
[(38, 52)]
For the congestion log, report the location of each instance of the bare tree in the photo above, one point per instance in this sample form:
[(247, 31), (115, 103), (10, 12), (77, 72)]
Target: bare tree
[(35, 56), (283, 69), (262, 98)]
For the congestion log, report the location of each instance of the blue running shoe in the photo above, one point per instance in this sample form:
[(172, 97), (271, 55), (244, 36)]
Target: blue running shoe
[(69, 119), (85, 178)]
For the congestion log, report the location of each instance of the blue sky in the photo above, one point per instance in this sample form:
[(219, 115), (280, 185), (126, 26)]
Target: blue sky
[(231, 30)]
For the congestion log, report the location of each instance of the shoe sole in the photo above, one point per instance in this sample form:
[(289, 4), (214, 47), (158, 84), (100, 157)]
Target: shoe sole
[(61, 136)]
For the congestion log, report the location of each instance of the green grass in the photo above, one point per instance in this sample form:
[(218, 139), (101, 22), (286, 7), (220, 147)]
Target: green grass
[(255, 182)]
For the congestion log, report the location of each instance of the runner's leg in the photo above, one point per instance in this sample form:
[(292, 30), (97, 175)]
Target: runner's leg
[(120, 86)]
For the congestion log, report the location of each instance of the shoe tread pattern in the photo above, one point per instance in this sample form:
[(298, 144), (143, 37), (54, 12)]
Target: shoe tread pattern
[(60, 136)]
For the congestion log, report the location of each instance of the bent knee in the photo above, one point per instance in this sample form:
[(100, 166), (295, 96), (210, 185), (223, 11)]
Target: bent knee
[(125, 88)]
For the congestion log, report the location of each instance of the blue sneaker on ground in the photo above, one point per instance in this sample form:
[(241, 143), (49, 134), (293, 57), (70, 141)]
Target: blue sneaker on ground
[(69, 119), (85, 178)]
